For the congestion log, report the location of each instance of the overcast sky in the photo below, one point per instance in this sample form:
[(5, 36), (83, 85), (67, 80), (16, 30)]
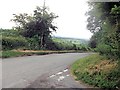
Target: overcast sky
[(71, 21)]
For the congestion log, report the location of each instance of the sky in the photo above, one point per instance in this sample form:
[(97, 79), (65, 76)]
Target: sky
[(71, 21)]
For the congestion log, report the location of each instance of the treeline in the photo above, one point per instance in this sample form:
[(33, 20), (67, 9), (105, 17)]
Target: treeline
[(12, 39), (104, 23), (70, 44)]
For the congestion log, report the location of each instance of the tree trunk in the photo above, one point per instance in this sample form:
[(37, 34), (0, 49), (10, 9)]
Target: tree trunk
[(40, 37), (41, 42)]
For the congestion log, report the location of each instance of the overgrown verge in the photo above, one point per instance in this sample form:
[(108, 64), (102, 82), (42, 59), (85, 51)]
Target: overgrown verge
[(17, 53), (98, 71)]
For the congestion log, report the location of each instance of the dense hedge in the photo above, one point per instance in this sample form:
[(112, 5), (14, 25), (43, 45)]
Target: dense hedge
[(107, 50), (13, 42), (32, 44)]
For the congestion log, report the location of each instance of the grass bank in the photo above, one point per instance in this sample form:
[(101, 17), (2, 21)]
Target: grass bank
[(17, 53), (98, 71)]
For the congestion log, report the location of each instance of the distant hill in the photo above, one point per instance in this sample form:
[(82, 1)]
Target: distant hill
[(72, 40)]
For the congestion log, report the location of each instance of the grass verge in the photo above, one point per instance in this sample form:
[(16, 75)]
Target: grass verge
[(17, 53), (96, 70)]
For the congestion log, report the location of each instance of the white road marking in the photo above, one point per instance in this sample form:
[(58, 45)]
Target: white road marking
[(61, 78), (65, 70), (59, 73), (52, 76), (67, 75)]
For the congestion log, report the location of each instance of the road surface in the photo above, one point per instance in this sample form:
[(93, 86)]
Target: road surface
[(45, 71)]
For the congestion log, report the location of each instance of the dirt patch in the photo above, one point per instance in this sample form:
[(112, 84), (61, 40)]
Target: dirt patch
[(104, 66)]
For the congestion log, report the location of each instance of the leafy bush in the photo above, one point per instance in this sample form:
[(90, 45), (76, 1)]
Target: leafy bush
[(108, 51), (13, 42), (32, 44), (9, 32), (103, 48), (6, 54)]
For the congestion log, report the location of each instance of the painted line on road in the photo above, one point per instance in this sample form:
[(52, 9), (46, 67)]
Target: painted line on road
[(68, 75), (65, 70), (59, 73), (52, 76), (61, 78)]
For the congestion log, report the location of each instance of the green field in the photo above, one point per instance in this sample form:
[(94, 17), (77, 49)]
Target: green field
[(71, 40)]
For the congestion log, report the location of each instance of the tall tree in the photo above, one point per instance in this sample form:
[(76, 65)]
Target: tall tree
[(104, 22), (39, 25)]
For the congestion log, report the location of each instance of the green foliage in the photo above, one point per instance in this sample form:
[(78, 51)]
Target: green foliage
[(115, 10), (92, 43), (69, 44), (103, 48), (11, 39), (32, 44), (9, 32), (13, 53), (40, 24), (104, 22), (97, 71), (6, 54), (13, 42), (10, 53)]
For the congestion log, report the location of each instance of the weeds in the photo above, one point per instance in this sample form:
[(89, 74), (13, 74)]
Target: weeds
[(97, 71)]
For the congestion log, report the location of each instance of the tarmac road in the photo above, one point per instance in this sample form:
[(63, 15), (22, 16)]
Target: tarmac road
[(45, 71)]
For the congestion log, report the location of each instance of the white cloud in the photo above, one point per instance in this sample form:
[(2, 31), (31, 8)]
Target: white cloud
[(71, 21)]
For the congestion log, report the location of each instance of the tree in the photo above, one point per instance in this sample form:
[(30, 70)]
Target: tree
[(116, 15), (104, 23), (39, 25)]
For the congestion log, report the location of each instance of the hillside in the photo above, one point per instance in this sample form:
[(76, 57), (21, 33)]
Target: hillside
[(72, 40)]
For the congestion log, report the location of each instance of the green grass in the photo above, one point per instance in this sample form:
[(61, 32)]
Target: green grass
[(12, 53), (6, 54), (96, 70)]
